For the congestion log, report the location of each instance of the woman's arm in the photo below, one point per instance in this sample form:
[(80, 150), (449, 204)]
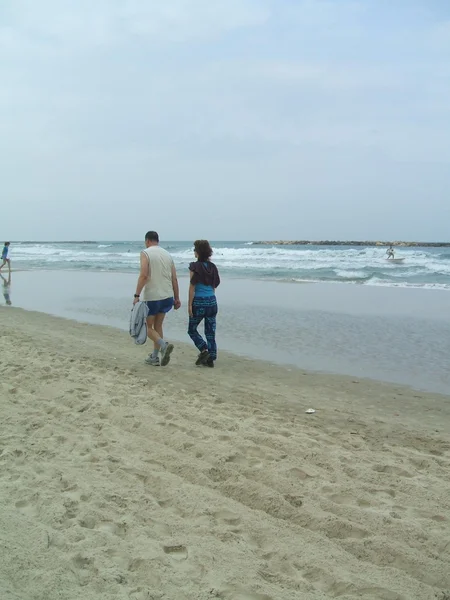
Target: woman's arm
[(191, 294)]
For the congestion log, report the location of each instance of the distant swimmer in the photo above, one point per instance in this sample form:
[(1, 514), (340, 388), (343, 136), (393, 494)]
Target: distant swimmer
[(6, 256), (390, 252)]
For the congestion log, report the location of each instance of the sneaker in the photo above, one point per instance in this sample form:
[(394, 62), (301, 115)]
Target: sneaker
[(152, 360), (209, 362), (165, 355), (202, 358)]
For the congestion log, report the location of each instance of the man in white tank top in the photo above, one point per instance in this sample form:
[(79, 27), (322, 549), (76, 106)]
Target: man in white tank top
[(157, 286)]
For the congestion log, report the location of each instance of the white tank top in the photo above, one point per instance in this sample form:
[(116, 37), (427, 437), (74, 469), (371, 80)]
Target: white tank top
[(160, 285)]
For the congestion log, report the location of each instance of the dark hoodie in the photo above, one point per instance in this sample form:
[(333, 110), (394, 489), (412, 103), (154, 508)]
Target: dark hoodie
[(205, 273)]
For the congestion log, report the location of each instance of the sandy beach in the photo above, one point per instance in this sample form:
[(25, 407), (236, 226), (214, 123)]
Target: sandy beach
[(123, 481)]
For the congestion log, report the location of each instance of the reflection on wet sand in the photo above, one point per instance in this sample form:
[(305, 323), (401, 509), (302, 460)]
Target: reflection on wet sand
[(6, 288)]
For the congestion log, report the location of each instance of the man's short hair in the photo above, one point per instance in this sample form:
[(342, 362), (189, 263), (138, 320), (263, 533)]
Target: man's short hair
[(152, 236)]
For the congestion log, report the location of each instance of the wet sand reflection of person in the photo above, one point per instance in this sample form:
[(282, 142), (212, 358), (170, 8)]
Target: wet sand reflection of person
[(6, 285)]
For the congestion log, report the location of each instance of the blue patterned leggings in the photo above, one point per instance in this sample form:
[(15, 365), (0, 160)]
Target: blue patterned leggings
[(204, 308)]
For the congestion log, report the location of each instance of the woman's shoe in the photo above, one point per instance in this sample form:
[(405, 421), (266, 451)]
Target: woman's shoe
[(202, 358)]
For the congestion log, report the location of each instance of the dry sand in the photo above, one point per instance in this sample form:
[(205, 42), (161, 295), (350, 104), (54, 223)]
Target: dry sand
[(119, 480)]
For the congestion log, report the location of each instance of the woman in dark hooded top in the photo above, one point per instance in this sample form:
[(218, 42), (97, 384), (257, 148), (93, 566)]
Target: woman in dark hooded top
[(202, 302)]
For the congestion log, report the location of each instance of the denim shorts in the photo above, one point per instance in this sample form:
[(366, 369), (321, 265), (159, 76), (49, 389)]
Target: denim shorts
[(156, 307)]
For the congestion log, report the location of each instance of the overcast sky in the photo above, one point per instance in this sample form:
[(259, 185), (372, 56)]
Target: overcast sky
[(225, 119)]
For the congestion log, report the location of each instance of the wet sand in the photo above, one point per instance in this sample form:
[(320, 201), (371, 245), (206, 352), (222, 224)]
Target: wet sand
[(389, 334)]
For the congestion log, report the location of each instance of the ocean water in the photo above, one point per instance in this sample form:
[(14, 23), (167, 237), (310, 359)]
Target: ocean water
[(422, 268)]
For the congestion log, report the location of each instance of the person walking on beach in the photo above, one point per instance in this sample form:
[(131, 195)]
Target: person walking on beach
[(158, 285), (6, 256), (203, 303)]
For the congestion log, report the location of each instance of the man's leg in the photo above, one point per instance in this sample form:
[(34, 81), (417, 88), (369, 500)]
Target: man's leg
[(152, 333), (153, 358), (154, 322), (158, 326), (150, 330)]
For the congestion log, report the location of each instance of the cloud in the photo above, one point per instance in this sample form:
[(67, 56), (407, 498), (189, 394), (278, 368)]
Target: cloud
[(187, 97), (83, 23)]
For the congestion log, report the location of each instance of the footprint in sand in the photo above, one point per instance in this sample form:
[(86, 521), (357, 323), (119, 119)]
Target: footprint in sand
[(219, 474), (157, 527), (297, 473), (226, 517), (239, 595), (82, 562), (83, 568), (384, 494), (176, 552), (348, 500), (118, 529), (391, 470), (424, 514), (381, 593), (146, 567), (170, 507), (141, 594), (26, 507), (66, 485), (71, 508), (172, 428), (327, 582), (336, 529), (121, 559), (296, 501)]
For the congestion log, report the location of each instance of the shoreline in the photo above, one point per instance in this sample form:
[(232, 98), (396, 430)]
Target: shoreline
[(46, 322), (186, 348), (322, 328), (119, 479)]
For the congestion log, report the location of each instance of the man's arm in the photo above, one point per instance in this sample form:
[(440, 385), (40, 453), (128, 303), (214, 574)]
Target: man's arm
[(176, 289), (144, 276)]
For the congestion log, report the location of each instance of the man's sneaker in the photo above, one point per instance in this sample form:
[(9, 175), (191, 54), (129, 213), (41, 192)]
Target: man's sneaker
[(202, 358), (209, 363), (165, 355), (152, 360)]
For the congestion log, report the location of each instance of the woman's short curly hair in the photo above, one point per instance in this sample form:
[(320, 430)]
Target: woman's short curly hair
[(203, 249)]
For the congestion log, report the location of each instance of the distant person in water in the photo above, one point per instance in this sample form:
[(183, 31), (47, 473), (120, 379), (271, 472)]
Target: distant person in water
[(6, 258), (7, 289), (390, 252), (158, 285), (203, 303)]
